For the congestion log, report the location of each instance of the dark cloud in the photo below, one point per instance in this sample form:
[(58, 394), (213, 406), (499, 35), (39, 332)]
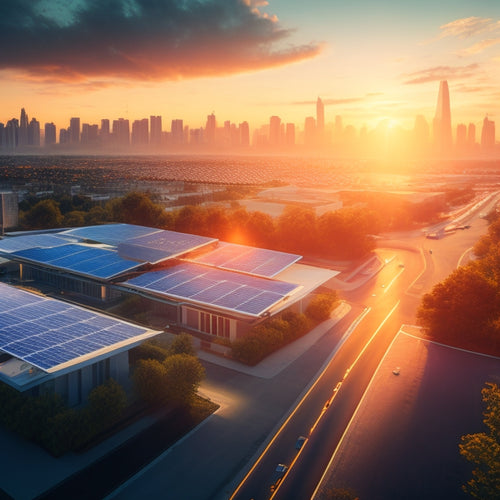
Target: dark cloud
[(438, 73), (141, 39)]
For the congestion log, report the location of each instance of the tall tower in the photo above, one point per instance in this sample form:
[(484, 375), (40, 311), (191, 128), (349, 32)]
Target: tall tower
[(320, 115), (23, 129), (442, 120)]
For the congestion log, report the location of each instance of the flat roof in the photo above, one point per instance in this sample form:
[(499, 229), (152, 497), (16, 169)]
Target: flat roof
[(251, 260), (213, 287), (52, 335)]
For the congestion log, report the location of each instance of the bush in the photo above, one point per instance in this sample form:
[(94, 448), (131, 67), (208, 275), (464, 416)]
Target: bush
[(321, 306), (268, 337)]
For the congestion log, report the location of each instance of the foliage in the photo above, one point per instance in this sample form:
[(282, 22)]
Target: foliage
[(321, 306), (44, 215), (483, 450), (269, 336), (137, 208), (464, 309), (181, 344), (173, 381), (183, 375), (458, 308), (47, 420)]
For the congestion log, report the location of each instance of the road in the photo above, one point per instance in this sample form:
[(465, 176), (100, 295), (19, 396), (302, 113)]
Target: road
[(211, 462), (390, 300)]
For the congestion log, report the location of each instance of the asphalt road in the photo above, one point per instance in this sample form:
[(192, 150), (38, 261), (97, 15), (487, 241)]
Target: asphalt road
[(211, 462)]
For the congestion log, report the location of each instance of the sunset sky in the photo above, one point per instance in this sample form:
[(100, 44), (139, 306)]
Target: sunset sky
[(368, 60)]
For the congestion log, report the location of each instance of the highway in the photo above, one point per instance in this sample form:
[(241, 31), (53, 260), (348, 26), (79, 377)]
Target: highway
[(234, 453), (389, 300)]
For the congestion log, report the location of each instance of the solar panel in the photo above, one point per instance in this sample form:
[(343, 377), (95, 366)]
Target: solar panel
[(23, 242), (111, 234), (91, 261), (58, 332), (214, 287), (257, 261), (161, 245)]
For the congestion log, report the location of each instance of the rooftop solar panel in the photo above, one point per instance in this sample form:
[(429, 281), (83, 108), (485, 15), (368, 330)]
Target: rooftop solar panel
[(23, 242), (257, 261), (111, 234), (57, 332), (88, 260), (214, 287)]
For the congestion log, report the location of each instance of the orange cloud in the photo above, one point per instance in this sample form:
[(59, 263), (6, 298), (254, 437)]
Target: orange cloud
[(143, 40)]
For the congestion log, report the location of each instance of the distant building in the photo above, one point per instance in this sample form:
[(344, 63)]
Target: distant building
[(49, 134), (74, 130), (274, 131), (155, 130), (488, 136), (244, 134), (210, 129), (9, 211), (442, 120)]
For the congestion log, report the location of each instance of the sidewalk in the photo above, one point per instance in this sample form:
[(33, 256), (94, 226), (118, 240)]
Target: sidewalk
[(278, 361)]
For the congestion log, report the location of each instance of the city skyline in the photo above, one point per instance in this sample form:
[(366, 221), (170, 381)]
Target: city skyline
[(438, 138), (368, 61)]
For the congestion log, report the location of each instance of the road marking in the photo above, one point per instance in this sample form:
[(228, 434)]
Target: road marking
[(351, 328), (393, 280)]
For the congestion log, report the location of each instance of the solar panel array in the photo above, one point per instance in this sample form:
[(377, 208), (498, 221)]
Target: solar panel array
[(161, 245), (246, 294), (110, 234), (15, 243), (87, 260), (48, 333), (258, 261)]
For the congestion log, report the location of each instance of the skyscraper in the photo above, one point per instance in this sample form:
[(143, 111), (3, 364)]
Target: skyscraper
[(74, 130), (50, 134), (23, 129), (320, 115), (488, 136), (442, 120), (274, 131)]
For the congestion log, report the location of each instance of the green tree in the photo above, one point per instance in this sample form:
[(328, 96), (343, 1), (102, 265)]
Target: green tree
[(75, 218), (106, 403), (137, 208), (483, 450), (44, 215), (181, 344), (149, 380), (460, 309), (296, 229), (321, 306), (183, 375)]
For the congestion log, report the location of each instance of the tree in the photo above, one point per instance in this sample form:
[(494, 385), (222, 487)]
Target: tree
[(137, 208), (44, 215), (460, 309), (483, 450), (149, 380), (183, 375), (181, 344)]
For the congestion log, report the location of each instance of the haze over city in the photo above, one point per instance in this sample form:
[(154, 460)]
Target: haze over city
[(249, 60)]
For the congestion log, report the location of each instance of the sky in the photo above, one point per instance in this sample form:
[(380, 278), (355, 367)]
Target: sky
[(245, 60)]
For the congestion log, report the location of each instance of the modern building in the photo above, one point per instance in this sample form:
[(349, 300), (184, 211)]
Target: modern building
[(51, 346), (194, 282)]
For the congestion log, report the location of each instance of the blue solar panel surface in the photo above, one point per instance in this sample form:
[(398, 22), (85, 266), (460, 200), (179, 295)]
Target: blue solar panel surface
[(48, 333), (91, 261), (110, 234), (14, 243), (162, 245), (216, 287), (258, 261)]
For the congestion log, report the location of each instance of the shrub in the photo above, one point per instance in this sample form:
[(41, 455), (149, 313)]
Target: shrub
[(321, 306)]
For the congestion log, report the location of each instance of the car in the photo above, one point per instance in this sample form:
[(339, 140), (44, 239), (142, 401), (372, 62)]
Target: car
[(278, 475), (300, 442), (396, 370), (401, 265)]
